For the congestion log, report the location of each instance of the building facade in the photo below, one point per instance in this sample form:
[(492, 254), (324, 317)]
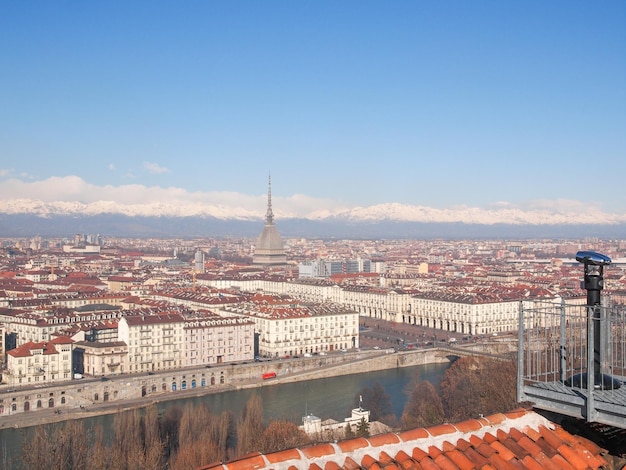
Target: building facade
[(217, 340), (155, 342), (39, 363), (297, 329), (95, 358)]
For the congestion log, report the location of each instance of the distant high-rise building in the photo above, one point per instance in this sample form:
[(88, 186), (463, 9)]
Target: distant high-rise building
[(269, 249), (198, 262)]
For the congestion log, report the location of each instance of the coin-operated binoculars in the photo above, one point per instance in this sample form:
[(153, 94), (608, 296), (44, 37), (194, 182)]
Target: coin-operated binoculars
[(593, 283)]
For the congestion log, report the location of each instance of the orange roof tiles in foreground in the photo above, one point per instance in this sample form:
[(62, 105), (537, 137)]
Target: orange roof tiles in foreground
[(520, 439)]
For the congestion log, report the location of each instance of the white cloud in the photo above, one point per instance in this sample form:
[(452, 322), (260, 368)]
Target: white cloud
[(112, 166), (555, 205), (61, 192), (4, 172), (154, 168)]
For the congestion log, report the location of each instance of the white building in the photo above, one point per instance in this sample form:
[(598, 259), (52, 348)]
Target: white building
[(40, 326), (473, 313), (39, 363), (314, 426), (102, 358), (384, 303), (215, 340), (155, 342), (287, 327)]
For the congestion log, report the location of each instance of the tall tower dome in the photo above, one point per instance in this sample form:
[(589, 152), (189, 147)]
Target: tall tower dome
[(269, 250)]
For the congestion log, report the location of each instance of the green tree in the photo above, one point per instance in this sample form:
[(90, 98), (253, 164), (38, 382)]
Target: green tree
[(348, 433), (363, 428)]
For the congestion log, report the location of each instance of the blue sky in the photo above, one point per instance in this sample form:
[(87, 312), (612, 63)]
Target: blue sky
[(442, 104)]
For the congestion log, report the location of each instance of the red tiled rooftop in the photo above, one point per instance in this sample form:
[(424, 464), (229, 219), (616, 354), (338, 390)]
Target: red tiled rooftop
[(521, 439)]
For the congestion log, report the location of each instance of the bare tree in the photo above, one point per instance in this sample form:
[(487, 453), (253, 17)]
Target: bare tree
[(473, 386), (196, 442), (152, 440), (58, 447), (377, 401), (36, 452), (250, 428), (127, 447), (100, 453), (423, 408), (224, 434), (169, 428), (281, 435)]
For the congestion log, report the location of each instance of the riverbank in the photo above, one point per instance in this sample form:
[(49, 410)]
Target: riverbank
[(351, 363)]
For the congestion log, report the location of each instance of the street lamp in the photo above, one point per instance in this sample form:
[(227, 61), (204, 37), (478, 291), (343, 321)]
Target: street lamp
[(593, 283)]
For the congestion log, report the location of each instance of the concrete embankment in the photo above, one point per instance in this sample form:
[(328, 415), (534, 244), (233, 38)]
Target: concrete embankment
[(371, 363), (89, 397)]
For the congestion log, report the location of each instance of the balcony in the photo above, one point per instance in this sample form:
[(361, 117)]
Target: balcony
[(555, 358)]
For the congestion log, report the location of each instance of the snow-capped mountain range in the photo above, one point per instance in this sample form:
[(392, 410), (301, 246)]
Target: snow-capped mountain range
[(376, 213), (27, 217)]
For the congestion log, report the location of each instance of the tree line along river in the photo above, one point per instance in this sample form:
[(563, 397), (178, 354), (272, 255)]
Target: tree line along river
[(331, 397)]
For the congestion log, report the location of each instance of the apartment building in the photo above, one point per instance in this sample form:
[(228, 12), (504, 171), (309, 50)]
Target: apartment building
[(480, 312), (100, 358), (39, 362), (287, 327), (2, 344), (155, 342), (377, 302), (39, 326), (217, 339)]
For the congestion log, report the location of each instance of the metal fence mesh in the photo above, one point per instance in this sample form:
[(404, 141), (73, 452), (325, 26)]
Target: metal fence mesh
[(554, 345)]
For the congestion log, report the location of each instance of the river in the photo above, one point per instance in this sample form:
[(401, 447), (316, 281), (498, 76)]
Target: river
[(326, 398)]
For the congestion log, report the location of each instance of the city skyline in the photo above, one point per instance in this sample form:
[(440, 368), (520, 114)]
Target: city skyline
[(411, 111)]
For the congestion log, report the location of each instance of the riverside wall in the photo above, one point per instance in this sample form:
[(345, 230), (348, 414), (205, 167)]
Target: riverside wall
[(26, 406)]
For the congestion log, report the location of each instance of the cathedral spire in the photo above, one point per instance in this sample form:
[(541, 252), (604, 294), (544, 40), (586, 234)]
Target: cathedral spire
[(269, 215)]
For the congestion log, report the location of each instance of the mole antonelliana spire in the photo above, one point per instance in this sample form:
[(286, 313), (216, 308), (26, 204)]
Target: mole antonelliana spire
[(269, 215), (269, 250)]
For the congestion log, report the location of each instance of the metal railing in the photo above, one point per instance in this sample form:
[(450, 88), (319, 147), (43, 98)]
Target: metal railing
[(558, 354)]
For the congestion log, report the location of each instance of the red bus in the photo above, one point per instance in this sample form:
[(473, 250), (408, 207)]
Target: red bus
[(269, 375)]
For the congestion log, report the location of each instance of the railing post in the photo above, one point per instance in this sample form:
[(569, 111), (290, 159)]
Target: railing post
[(562, 350), (606, 351), (520, 353), (591, 365)]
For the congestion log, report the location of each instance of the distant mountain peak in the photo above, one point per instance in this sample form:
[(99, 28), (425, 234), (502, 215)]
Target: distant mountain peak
[(372, 214)]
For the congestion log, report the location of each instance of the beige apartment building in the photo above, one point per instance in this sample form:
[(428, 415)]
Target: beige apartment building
[(39, 363), (155, 342), (296, 329), (102, 358), (215, 340), (377, 302), (473, 313)]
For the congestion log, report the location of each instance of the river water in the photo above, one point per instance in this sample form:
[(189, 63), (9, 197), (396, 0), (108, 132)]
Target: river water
[(326, 398)]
